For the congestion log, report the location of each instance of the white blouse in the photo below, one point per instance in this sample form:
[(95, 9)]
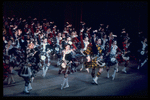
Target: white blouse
[(144, 45), (113, 49), (85, 45)]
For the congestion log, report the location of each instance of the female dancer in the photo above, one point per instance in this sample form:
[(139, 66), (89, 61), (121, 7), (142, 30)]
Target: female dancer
[(67, 60), (125, 56), (7, 55), (86, 47), (143, 53), (27, 70), (95, 61), (104, 40), (46, 49), (111, 59)]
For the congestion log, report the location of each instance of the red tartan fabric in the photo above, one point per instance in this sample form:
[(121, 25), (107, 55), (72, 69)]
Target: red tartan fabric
[(25, 30), (45, 28), (29, 26), (74, 46), (89, 35), (75, 39), (49, 41), (81, 39), (120, 59), (60, 41), (32, 29), (23, 37), (6, 70), (10, 32), (110, 42), (54, 33), (124, 46), (51, 35)]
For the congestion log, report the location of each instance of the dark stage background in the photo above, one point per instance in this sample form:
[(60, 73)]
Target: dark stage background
[(130, 15), (133, 16)]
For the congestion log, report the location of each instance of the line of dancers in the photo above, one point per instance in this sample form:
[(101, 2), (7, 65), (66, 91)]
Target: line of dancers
[(29, 45)]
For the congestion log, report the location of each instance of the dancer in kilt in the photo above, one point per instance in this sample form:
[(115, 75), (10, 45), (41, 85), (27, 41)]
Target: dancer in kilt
[(124, 56), (28, 69), (65, 66), (143, 53), (94, 60), (111, 59)]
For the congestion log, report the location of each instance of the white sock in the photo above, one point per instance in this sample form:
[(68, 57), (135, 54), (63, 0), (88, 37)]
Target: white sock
[(62, 85), (96, 78), (124, 69), (81, 67), (67, 84), (45, 71), (108, 74), (26, 89), (138, 67), (143, 62), (29, 86), (114, 75)]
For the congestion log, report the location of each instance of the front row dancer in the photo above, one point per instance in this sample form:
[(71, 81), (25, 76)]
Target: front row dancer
[(45, 57), (94, 60), (111, 59), (67, 60), (29, 69), (143, 53)]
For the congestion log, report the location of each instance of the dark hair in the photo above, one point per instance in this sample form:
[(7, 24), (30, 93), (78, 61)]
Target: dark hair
[(10, 40), (86, 37), (44, 38), (114, 40), (66, 45), (143, 38)]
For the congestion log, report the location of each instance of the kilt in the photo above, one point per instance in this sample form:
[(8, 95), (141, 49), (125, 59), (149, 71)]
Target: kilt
[(6, 71), (109, 62), (92, 64), (142, 57), (88, 51), (25, 71), (99, 49), (65, 70), (120, 59)]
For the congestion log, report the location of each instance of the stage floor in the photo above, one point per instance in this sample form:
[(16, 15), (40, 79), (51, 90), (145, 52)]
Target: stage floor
[(133, 83)]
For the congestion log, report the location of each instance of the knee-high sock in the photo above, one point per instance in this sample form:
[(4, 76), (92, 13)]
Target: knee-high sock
[(67, 81), (62, 85), (29, 86), (45, 71), (67, 84), (143, 62), (114, 72), (82, 66)]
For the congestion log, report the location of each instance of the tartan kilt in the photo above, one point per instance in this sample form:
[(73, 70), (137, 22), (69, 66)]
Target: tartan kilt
[(99, 49), (6, 71), (120, 59), (25, 71), (92, 64), (142, 57), (88, 51), (64, 70), (109, 62)]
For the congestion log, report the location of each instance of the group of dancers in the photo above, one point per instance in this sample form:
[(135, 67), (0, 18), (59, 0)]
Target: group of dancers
[(30, 45)]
